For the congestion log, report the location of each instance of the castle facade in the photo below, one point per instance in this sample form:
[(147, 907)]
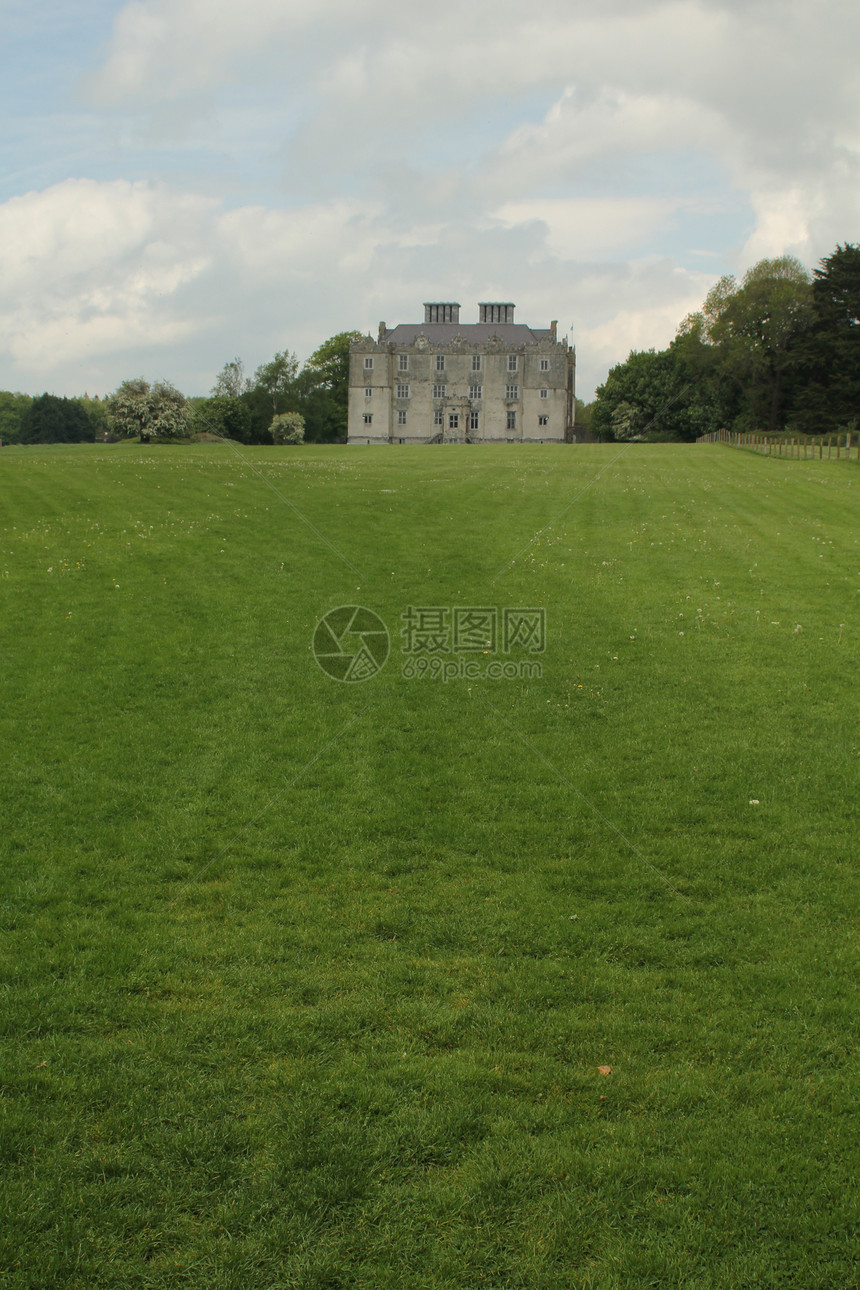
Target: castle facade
[(443, 381)]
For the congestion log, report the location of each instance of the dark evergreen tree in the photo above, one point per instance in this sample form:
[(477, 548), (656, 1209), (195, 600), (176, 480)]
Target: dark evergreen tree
[(49, 419), (826, 377)]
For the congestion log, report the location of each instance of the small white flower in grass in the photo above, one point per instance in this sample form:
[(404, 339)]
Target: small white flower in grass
[(754, 801)]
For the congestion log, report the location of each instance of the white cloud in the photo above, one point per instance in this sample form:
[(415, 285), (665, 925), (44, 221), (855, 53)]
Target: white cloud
[(91, 269), (316, 167), (586, 228), (88, 267), (99, 280)]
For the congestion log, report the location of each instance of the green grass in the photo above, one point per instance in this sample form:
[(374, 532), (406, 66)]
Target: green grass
[(307, 984)]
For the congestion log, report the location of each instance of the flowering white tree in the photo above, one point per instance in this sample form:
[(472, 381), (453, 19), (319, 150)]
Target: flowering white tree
[(157, 411), (289, 427)]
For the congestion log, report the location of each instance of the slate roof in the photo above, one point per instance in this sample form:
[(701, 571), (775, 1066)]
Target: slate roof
[(471, 333)]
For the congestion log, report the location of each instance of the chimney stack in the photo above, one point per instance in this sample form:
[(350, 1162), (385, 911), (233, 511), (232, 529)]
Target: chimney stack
[(496, 313), (441, 313)]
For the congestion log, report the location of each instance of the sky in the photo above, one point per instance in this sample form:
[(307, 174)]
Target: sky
[(187, 181)]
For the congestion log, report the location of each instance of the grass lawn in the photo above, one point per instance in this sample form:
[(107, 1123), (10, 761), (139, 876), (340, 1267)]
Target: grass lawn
[(307, 984)]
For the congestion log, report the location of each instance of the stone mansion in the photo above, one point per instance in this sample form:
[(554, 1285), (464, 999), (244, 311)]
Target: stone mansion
[(443, 381)]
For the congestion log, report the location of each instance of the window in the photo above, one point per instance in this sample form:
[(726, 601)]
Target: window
[(543, 421), (438, 417), (475, 391), (512, 391), (403, 391), (440, 362), (476, 362), (544, 365), (401, 417), (473, 420), (368, 418), (512, 420), (368, 363), (439, 391), (403, 362), (368, 391), (454, 421), (544, 394), (512, 362)]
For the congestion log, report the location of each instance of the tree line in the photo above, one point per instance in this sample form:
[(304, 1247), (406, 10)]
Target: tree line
[(777, 352), (281, 403)]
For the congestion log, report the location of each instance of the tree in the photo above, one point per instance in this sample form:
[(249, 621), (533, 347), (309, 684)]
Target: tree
[(329, 364), (288, 427), (827, 396), (96, 410), (583, 413), (49, 419), (12, 409), (230, 381), (324, 388), (159, 411), (223, 415), (129, 409), (646, 397), (755, 328), (277, 378)]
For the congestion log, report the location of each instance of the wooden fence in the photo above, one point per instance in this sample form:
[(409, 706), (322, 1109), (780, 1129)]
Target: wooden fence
[(831, 446)]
